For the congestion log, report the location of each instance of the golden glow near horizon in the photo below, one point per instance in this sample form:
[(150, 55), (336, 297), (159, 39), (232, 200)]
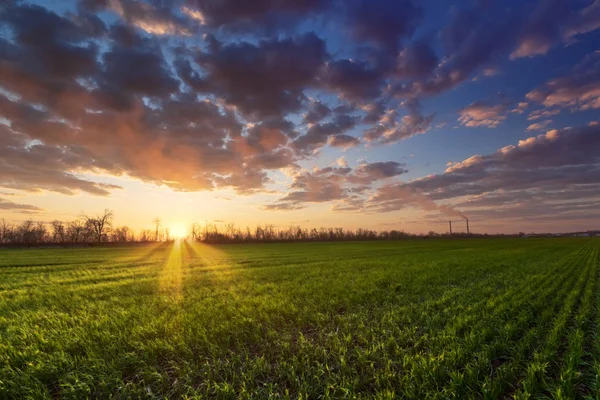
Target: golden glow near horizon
[(171, 278), (178, 230)]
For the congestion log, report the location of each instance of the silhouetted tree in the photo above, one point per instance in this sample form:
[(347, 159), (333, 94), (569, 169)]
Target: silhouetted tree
[(122, 234), (146, 235), (6, 231), (59, 233), (195, 231), (77, 232), (157, 225), (100, 224)]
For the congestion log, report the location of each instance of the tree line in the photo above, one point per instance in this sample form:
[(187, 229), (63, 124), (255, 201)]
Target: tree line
[(88, 229)]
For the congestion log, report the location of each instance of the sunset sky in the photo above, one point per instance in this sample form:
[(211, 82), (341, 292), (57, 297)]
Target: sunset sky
[(378, 114)]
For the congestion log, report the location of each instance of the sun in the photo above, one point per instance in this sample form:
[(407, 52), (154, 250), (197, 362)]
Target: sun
[(178, 231)]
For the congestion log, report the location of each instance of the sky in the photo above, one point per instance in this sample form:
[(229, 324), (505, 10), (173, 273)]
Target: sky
[(378, 114)]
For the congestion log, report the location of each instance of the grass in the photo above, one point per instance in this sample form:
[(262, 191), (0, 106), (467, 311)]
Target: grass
[(497, 318)]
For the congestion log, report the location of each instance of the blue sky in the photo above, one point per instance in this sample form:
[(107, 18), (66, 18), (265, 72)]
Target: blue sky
[(355, 113)]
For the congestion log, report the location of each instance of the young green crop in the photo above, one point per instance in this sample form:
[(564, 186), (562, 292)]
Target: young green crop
[(489, 318)]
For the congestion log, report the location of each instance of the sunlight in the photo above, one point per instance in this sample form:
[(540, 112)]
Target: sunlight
[(211, 259), (178, 231), (171, 279)]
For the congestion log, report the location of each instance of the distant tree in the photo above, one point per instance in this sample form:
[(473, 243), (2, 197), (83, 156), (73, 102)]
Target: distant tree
[(6, 231), (157, 225), (100, 224), (30, 233), (25, 232), (195, 231), (146, 235), (76, 231), (229, 231), (59, 232), (122, 234)]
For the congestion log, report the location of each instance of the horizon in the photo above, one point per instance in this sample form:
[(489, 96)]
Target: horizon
[(313, 113), (228, 231)]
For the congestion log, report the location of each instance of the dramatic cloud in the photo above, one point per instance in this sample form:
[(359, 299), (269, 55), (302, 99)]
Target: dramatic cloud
[(33, 167), (482, 114), (205, 95), (341, 183), (316, 112), (555, 21), (255, 15), (319, 134), (343, 141), (382, 21), (479, 36), (265, 79), (154, 20), (416, 60), (558, 166), (578, 91), (555, 175), (391, 129)]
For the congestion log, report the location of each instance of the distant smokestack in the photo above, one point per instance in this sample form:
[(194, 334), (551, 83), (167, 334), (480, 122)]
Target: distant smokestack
[(467, 219), (450, 223)]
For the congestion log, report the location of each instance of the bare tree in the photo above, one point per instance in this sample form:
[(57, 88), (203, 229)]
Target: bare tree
[(146, 235), (76, 231), (59, 233), (6, 231), (195, 231), (100, 224), (30, 232), (157, 224), (122, 234)]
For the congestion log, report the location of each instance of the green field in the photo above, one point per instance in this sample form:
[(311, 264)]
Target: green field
[(489, 318)]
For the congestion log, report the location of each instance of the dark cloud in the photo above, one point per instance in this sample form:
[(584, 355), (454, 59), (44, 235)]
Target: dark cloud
[(265, 79), (474, 39), (35, 167), (355, 80), (318, 135), (343, 141), (50, 46), (580, 90), (381, 21), (368, 173), (317, 111), (391, 129), (542, 29), (255, 15), (553, 22), (480, 36), (138, 71), (10, 206), (154, 17), (556, 166), (206, 94), (416, 60), (555, 175), (340, 183)]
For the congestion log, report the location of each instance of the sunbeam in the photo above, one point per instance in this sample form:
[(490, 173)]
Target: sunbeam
[(171, 278)]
